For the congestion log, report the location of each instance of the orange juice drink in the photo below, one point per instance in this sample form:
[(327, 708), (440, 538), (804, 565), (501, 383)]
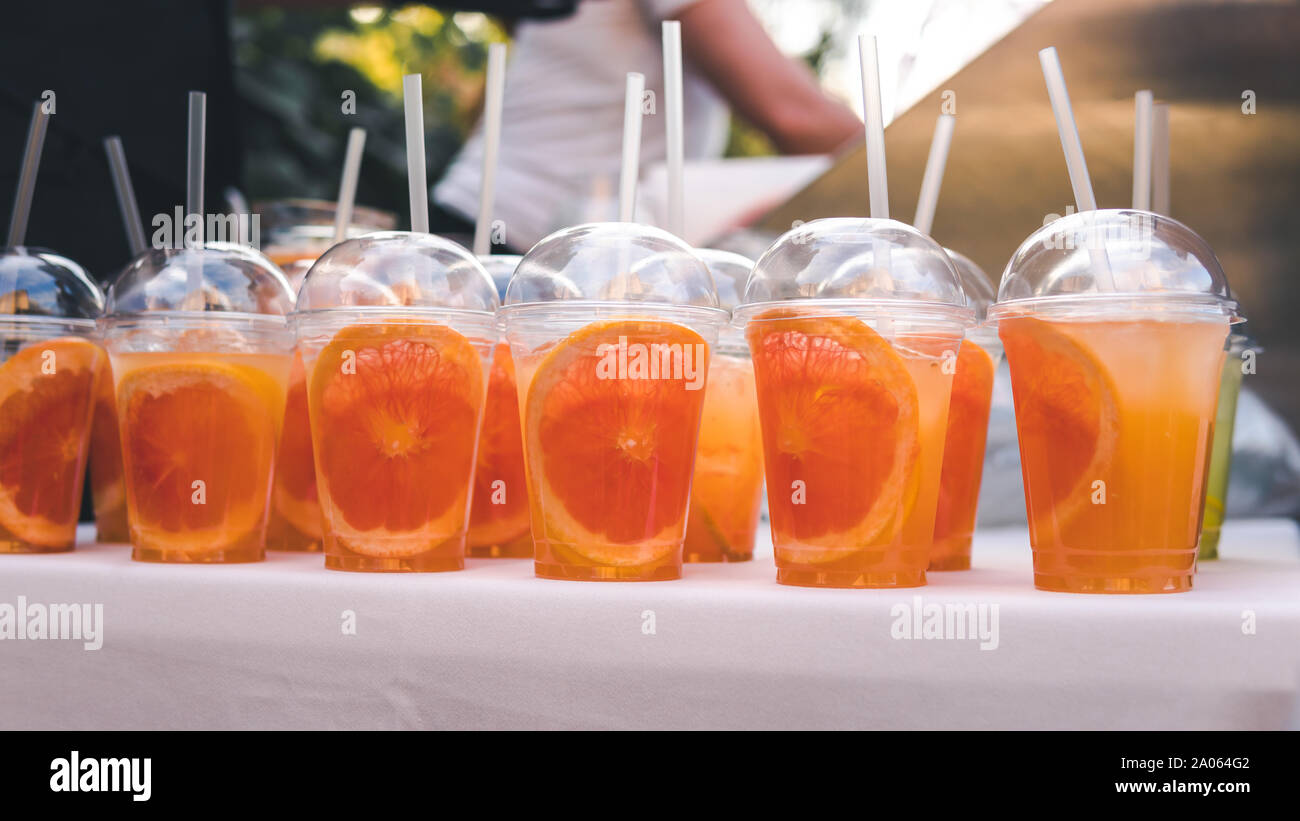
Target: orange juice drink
[(395, 393), (107, 485), (199, 347), (47, 389), (198, 432), (295, 520), (854, 327), (963, 457), (1115, 385), (726, 492), (968, 423), (610, 327), (498, 520), (1115, 420), (49, 371)]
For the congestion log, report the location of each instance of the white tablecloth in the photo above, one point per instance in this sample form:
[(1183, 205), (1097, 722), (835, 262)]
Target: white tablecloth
[(263, 646)]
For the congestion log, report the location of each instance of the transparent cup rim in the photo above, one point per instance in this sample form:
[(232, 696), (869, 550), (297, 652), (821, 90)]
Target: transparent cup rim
[(1102, 304), (912, 309), (320, 319), (166, 317), (37, 320), (609, 308)]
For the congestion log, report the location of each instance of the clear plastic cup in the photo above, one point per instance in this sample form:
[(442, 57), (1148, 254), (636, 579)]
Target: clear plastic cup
[(199, 347), (1114, 325), (50, 365), (1225, 417), (396, 331), (610, 327), (854, 326), (968, 425), (498, 519), (727, 490), (300, 230)]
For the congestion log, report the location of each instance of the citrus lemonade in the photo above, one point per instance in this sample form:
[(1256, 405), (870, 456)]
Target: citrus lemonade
[(395, 411), (853, 434), (1115, 420), (963, 457), (198, 433), (611, 413), (498, 521), (107, 485), (727, 489), (47, 395)]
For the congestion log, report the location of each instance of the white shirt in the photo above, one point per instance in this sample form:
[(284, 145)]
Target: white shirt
[(562, 118)]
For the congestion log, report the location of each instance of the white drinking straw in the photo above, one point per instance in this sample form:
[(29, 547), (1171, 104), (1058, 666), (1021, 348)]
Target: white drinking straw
[(928, 199), (1084, 199), (27, 176), (1160, 159), (348, 184), (1142, 151), (631, 147), (416, 179), (125, 195), (493, 100), (877, 182), (674, 122)]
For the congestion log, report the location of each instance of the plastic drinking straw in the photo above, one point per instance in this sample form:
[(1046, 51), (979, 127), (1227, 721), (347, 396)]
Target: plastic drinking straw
[(1142, 151), (125, 195), (348, 185), (194, 190), (928, 199), (1160, 158), (1084, 199), (416, 179), (877, 182), (674, 121), (194, 158), (493, 100), (239, 207), (631, 146), (27, 176)]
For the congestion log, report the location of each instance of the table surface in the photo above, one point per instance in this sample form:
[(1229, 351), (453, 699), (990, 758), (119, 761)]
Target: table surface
[(265, 646)]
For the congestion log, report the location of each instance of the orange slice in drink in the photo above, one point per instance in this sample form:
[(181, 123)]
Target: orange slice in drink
[(841, 433), (963, 449), (46, 391), (500, 459), (396, 412), (295, 472), (1065, 410), (190, 421), (614, 454)]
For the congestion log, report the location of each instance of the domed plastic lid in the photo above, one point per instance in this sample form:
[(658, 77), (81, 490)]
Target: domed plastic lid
[(501, 267), (730, 273), (397, 269), (1114, 262), (977, 285), (612, 262), (220, 277), (41, 284), (854, 264)]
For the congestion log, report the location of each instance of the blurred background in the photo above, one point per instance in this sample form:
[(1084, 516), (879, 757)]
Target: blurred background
[(277, 75)]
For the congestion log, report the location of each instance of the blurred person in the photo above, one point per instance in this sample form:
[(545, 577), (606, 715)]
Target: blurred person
[(562, 118)]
